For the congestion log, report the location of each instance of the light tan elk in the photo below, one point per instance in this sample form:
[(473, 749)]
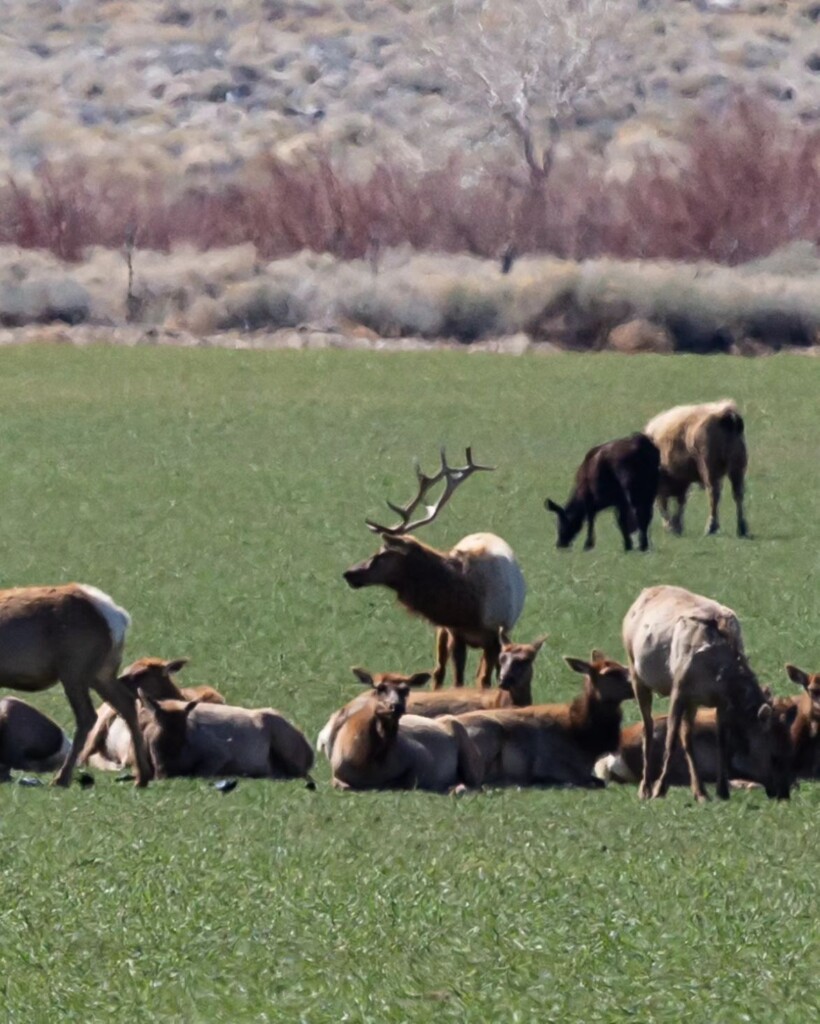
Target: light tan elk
[(109, 746), (72, 634), (375, 745), (689, 648), (700, 444), (469, 593), (806, 728)]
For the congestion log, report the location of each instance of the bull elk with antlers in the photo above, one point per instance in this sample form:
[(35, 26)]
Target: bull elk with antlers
[(473, 593)]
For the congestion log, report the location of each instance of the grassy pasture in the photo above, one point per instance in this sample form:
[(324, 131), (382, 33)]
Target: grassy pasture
[(218, 496)]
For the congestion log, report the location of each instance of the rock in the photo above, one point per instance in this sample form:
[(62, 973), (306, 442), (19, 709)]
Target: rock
[(640, 336)]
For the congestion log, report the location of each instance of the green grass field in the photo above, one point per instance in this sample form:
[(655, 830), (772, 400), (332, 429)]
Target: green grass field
[(218, 496)]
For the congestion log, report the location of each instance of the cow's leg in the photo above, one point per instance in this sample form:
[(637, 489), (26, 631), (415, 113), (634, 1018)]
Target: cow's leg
[(442, 653), (458, 653), (122, 701), (643, 695), (625, 517), (736, 478), (722, 788), (677, 707), (686, 731), (589, 543), (84, 716)]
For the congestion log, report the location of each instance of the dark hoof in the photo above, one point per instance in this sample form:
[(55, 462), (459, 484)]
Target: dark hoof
[(125, 777), (225, 785), (28, 780), (310, 784), (85, 780)]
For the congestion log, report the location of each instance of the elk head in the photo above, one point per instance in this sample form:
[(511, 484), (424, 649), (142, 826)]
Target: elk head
[(516, 667), (607, 679)]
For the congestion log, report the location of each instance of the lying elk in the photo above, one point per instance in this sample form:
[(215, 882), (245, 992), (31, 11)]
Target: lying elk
[(806, 728), (29, 740), (469, 593), (73, 634)]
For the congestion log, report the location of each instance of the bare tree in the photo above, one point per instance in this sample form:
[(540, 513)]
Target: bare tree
[(530, 61)]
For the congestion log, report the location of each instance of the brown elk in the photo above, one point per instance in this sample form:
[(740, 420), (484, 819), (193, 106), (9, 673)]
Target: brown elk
[(73, 634), (554, 744), (806, 728), (469, 593), (689, 648)]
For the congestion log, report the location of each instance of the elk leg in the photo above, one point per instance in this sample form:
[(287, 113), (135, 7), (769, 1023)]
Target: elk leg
[(458, 652), (123, 702), (643, 515), (736, 478), (643, 695), (442, 649), (686, 731), (489, 662), (722, 788), (673, 724), (85, 717), (676, 522), (712, 487)]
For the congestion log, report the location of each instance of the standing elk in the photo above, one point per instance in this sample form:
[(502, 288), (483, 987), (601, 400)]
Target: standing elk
[(620, 474), (700, 444), (469, 593), (73, 634), (689, 648)]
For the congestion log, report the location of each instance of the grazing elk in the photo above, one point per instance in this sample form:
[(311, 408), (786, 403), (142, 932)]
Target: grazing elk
[(700, 444), (621, 474), (554, 744), (73, 634), (514, 687), (200, 739), (469, 593), (806, 727), (109, 746), (689, 648), (761, 757), (373, 744), (29, 740)]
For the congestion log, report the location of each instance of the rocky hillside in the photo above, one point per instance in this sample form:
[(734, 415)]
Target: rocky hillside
[(195, 89)]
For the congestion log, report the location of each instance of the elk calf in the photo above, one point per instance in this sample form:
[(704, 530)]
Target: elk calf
[(199, 739), (689, 648), (514, 687), (806, 727), (700, 444), (468, 593), (109, 745), (621, 474), (554, 744), (763, 756), (73, 634), (29, 740)]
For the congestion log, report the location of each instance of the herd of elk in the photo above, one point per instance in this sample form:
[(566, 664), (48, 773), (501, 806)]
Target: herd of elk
[(722, 726)]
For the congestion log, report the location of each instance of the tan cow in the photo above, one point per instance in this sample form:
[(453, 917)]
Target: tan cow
[(700, 444), (73, 634), (554, 744), (689, 648)]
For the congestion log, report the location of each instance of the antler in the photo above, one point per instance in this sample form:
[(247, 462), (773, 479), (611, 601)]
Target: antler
[(452, 476)]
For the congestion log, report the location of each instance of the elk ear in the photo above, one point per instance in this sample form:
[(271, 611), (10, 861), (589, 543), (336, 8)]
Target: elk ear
[(578, 665), (362, 675), (176, 666), (550, 506), (764, 714), (395, 542), (419, 679), (539, 643), (503, 636), (597, 655), (189, 707), (798, 676), (791, 714)]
